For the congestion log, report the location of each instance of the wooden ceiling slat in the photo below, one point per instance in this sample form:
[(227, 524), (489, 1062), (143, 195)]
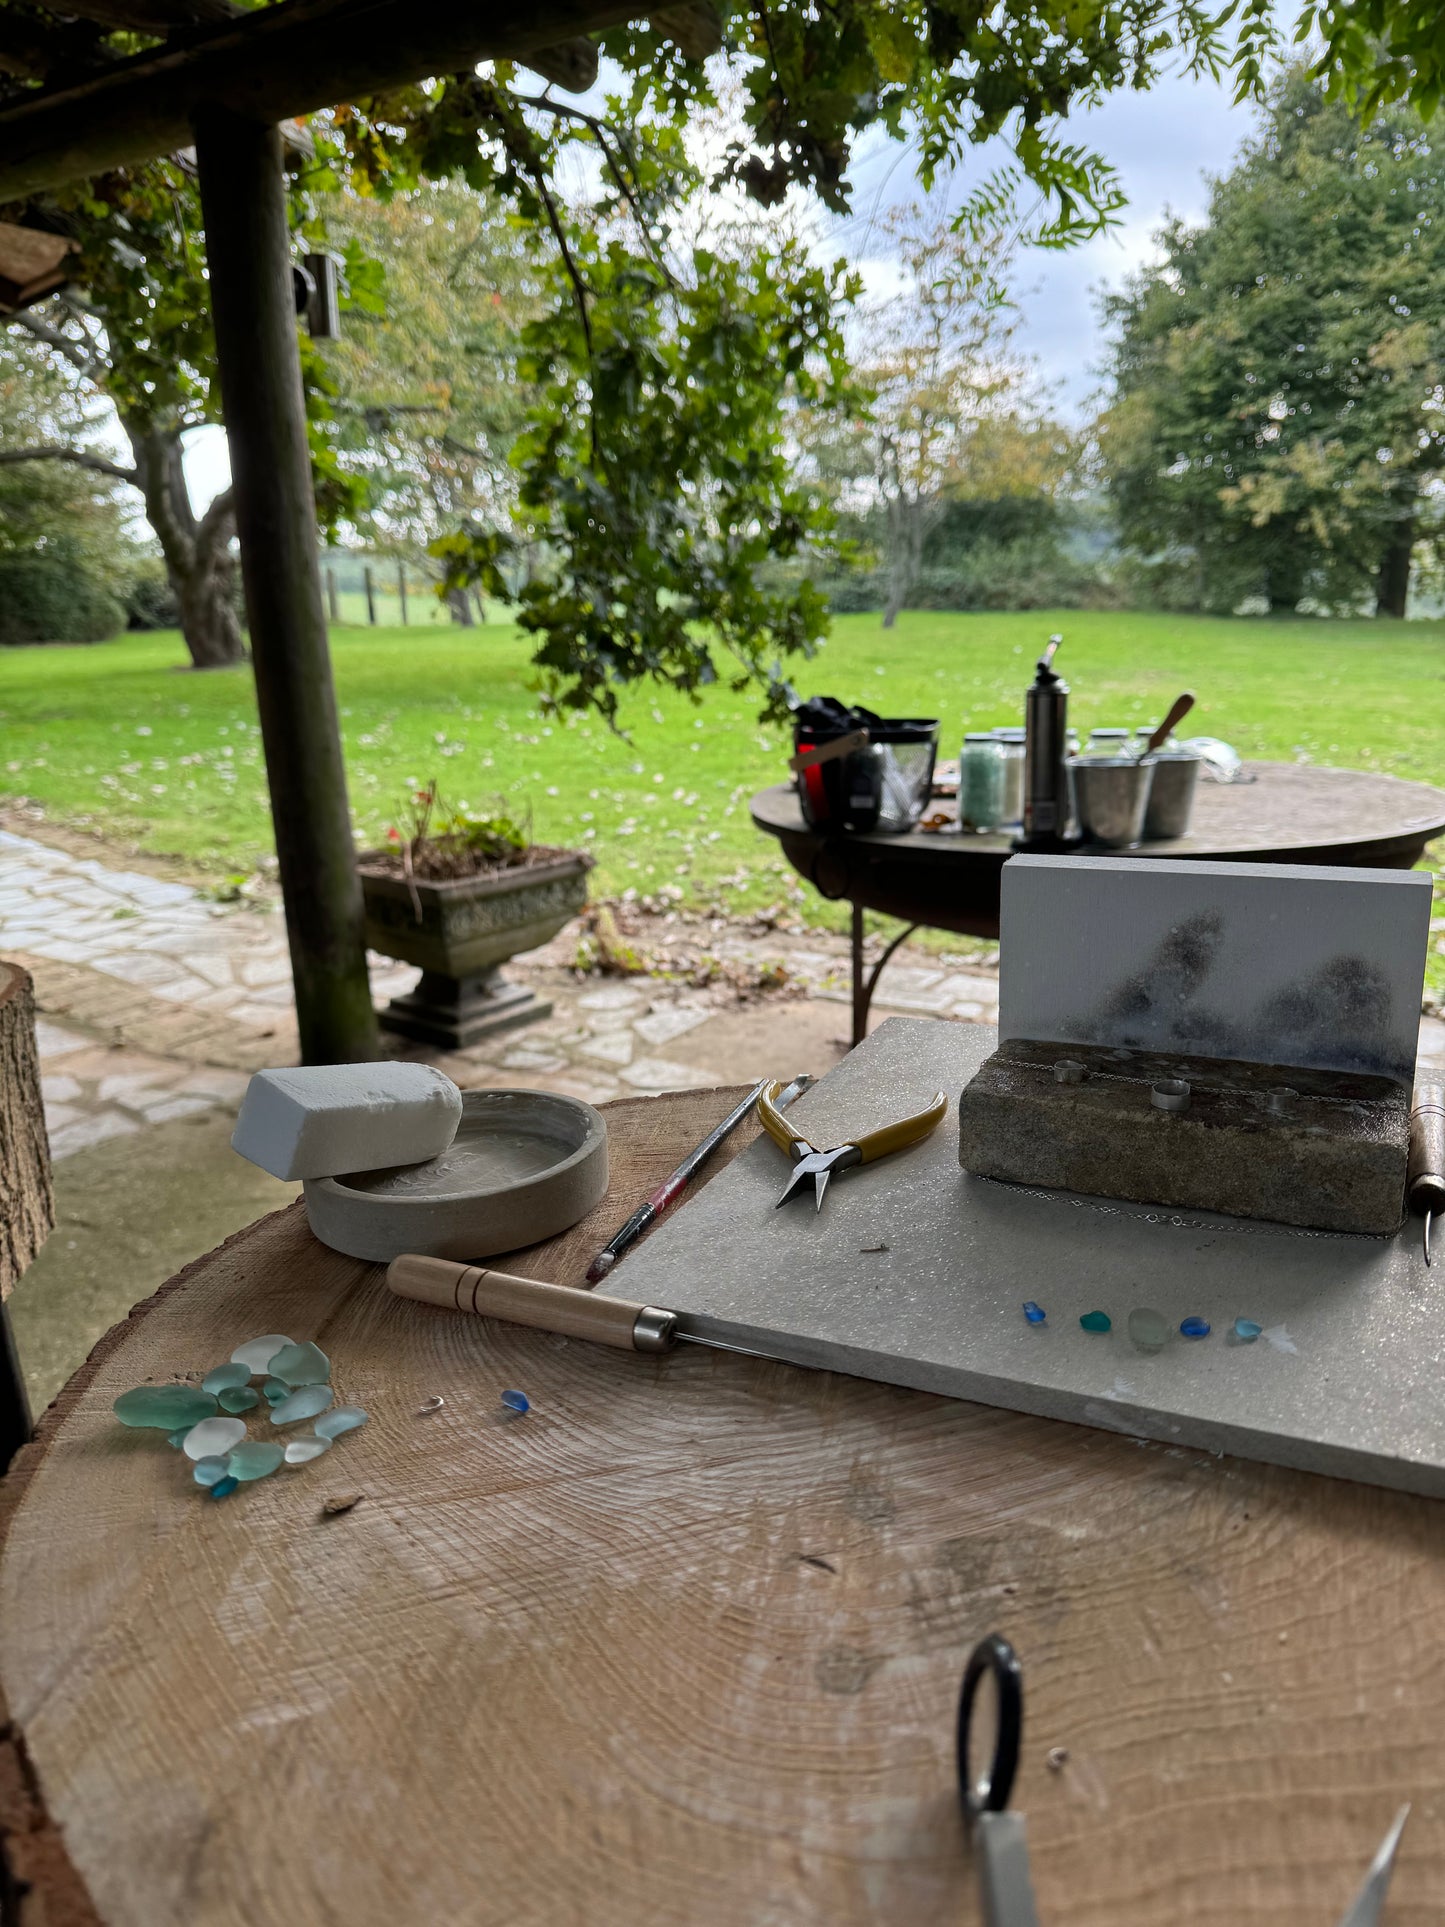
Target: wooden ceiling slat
[(149, 16), (272, 65)]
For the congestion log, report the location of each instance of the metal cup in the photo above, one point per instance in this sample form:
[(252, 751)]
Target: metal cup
[(1171, 799), (1112, 793)]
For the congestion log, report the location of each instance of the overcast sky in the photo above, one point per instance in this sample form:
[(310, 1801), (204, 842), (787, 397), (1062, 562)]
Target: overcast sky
[(1163, 142)]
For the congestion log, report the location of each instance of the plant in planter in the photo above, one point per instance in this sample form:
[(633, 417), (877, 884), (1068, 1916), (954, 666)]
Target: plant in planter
[(458, 895)]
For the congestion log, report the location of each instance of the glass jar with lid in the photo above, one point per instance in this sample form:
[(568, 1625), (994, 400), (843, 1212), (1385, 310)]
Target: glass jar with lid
[(981, 767), (1107, 742), (1013, 741)]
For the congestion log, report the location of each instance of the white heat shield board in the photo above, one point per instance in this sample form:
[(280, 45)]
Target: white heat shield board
[(1346, 1379), (1272, 963)]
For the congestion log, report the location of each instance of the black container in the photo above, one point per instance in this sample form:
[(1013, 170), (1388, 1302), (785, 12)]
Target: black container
[(882, 786), (1046, 780)]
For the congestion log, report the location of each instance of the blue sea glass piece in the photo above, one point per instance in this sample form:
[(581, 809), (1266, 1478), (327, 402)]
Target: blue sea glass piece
[(1034, 1313), (305, 1402), (223, 1488), (256, 1354), (1194, 1327), (213, 1436), (301, 1365), (209, 1471), (1096, 1321), (516, 1401), (345, 1418), (274, 1390), (302, 1451), (166, 1407), (224, 1377), (178, 1437), (254, 1459), (1246, 1331), (239, 1398)]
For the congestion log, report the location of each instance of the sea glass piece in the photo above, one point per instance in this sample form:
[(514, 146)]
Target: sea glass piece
[(213, 1437), (1194, 1327), (304, 1403), (167, 1407), (1246, 1331), (301, 1365), (1034, 1313), (516, 1401), (302, 1451), (1096, 1321), (224, 1377), (223, 1488), (345, 1418), (1149, 1330), (178, 1437), (256, 1354), (274, 1390), (239, 1398), (254, 1459), (209, 1471)]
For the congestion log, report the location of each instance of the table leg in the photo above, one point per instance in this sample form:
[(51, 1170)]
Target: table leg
[(15, 1421), (863, 988)]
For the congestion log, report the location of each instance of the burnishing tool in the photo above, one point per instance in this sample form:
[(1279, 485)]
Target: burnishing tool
[(811, 1162), (1426, 1178)]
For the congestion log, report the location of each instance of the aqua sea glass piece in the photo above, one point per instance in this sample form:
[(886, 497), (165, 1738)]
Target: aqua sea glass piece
[(304, 1403), (178, 1437), (302, 1451), (213, 1437), (274, 1390), (239, 1398), (345, 1418), (1096, 1321), (1148, 1330), (1194, 1327), (301, 1365), (516, 1401), (224, 1377), (1246, 1331), (256, 1354), (223, 1488), (209, 1471), (168, 1408), (254, 1459), (1034, 1313)]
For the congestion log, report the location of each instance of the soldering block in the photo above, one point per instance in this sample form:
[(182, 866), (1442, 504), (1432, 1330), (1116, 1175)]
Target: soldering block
[(1325, 1149), (327, 1119)]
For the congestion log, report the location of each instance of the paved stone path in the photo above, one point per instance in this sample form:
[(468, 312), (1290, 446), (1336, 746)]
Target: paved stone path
[(158, 1002)]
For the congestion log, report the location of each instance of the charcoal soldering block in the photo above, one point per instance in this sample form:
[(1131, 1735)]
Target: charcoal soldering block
[(324, 1120)]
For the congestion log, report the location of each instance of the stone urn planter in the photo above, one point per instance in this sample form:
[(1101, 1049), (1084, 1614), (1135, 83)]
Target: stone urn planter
[(467, 928)]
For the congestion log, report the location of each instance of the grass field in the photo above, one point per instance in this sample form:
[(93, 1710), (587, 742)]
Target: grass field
[(122, 739)]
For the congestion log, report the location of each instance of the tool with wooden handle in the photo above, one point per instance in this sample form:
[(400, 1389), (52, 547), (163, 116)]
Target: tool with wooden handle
[(551, 1308), (1425, 1179), (1178, 710)]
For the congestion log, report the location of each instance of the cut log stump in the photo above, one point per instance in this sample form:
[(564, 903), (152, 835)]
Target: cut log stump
[(26, 1203)]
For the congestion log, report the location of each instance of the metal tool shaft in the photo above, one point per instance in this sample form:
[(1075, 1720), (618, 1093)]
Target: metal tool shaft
[(1426, 1172)]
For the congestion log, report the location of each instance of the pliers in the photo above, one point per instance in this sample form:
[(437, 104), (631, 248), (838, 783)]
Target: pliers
[(819, 1165)]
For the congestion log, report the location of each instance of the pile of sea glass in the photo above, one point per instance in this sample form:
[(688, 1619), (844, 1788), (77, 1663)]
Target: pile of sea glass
[(203, 1422)]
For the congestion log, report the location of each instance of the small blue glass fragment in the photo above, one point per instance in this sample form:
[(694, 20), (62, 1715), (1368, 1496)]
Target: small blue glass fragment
[(1034, 1313), (1194, 1327), (177, 1438), (1246, 1331), (516, 1401), (223, 1488)]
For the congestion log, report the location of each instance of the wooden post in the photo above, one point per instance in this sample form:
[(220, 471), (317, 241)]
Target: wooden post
[(248, 245), (333, 599), (370, 596), (401, 586)]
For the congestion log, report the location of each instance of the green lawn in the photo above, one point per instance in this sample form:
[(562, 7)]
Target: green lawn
[(121, 739)]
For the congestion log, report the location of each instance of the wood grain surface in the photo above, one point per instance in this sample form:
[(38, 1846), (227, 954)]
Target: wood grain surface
[(27, 1205), (683, 1645)]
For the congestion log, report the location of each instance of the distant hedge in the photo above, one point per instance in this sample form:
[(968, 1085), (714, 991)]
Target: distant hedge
[(45, 598)]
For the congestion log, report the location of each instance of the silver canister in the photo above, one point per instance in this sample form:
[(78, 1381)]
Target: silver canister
[(1171, 795), (1112, 794)]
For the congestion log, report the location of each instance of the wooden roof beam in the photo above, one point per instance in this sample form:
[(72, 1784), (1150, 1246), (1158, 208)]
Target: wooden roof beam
[(148, 16), (271, 66)]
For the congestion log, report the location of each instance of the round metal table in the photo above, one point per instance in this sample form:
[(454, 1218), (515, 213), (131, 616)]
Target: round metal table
[(1289, 813)]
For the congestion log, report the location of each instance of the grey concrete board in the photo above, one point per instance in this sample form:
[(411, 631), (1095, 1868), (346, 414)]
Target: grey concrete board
[(1275, 963), (1346, 1379)]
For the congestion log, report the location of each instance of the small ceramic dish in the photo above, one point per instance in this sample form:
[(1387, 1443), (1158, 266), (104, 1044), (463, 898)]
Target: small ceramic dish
[(523, 1166)]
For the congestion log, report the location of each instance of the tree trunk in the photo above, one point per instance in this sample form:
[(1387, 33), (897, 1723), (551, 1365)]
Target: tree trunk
[(905, 552), (199, 564), (1283, 583), (460, 605), (26, 1215), (1392, 583)]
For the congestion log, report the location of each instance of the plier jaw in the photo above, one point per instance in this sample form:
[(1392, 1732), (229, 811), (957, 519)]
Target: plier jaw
[(809, 1162), (819, 1166)]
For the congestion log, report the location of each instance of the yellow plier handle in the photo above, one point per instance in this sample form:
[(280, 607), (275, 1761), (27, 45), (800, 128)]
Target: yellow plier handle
[(875, 1144)]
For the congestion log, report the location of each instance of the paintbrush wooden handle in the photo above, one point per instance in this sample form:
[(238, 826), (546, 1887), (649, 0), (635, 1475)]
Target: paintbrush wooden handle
[(522, 1301), (1179, 710)]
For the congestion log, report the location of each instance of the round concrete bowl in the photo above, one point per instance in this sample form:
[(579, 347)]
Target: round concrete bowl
[(524, 1165)]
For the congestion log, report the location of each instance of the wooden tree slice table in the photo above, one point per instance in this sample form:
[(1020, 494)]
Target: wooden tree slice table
[(682, 1645)]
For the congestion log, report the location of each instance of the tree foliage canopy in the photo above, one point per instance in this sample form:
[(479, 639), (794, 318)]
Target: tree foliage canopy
[(1280, 375)]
